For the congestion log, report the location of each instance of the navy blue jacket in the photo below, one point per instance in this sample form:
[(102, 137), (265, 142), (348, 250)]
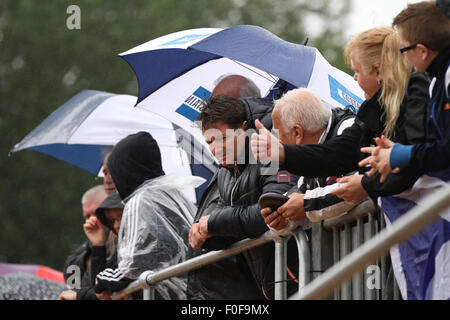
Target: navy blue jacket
[(434, 154)]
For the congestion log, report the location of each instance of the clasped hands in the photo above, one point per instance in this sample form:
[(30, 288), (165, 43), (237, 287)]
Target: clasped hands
[(199, 233)]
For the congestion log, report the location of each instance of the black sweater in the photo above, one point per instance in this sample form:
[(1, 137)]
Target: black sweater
[(342, 153)]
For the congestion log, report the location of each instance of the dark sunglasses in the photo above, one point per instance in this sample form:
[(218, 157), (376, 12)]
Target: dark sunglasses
[(403, 50)]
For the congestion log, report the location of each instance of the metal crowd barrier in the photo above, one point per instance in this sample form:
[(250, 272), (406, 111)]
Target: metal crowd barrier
[(148, 279), (335, 238), (403, 228), (304, 263), (340, 248)]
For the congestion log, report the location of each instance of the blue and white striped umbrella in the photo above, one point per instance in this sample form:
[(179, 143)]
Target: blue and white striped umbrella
[(85, 127), (175, 71)]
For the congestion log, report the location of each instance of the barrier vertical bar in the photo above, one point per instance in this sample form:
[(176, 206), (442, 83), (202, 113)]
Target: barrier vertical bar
[(149, 294), (346, 289), (403, 228), (373, 228), (383, 263), (280, 269), (369, 230), (357, 281), (336, 257), (321, 250), (304, 258)]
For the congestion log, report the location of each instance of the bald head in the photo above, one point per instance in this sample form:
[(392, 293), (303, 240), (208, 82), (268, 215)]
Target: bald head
[(235, 86), (91, 199)]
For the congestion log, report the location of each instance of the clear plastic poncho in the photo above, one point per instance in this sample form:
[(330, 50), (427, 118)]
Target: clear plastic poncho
[(154, 231)]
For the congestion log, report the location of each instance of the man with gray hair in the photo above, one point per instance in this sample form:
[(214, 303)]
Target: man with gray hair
[(81, 257), (302, 118), (91, 199)]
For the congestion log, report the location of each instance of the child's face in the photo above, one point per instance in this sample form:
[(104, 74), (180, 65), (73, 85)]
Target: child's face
[(115, 217), (419, 56)]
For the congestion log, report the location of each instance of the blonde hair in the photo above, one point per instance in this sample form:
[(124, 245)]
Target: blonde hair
[(381, 46)]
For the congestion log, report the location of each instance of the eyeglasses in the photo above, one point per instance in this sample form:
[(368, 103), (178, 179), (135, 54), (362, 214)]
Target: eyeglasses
[(403, 50)]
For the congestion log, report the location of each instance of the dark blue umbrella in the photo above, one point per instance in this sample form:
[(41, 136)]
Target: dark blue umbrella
[(162, 63)]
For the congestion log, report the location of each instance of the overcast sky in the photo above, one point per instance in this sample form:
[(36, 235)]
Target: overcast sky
[(367, 14)]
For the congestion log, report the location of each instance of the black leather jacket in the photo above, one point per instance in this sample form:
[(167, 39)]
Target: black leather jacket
[(227, 279), (236, 214)]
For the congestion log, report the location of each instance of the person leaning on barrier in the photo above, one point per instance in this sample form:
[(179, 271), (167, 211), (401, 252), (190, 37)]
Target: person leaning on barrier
[(389, 109), (228, 278), (95, 228), (154, 226), (367, 48), (82, 254), (302, 118), (409, 128), (226, 122), (425, 38), (395, 106), (81, 257), (421, 270)]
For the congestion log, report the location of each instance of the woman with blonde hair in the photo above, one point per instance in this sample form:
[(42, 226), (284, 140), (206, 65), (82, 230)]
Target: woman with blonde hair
[(395, 106), (375, 56)]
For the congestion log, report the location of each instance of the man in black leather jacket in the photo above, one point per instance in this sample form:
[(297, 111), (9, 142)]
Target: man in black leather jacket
[(236, 215)]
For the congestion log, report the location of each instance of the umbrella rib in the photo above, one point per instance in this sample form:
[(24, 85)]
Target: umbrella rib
[(244, 66)]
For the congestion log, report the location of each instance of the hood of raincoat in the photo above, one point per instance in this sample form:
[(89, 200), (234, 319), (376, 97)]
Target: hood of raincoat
[(133, 160), (154, 231)]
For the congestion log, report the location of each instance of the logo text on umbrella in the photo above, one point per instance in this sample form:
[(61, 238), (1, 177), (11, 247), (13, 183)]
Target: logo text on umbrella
[(191, 106), (184, 39), (342, 95)]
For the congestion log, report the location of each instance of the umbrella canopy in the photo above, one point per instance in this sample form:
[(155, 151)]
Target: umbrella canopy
[(82, 130), (24, 286), (33, 269), (177, 70)]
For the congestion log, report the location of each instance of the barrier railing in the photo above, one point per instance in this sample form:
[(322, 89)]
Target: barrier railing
[(405, 227), (334, 238), (304, 264), (148, 279), (367, 251)]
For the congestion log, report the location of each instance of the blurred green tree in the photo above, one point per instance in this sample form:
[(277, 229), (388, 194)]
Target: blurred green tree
[(43, 63)]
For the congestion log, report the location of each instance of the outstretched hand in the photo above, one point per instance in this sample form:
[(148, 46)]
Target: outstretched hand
[(351, 189), (379, 159), (265, 146)]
